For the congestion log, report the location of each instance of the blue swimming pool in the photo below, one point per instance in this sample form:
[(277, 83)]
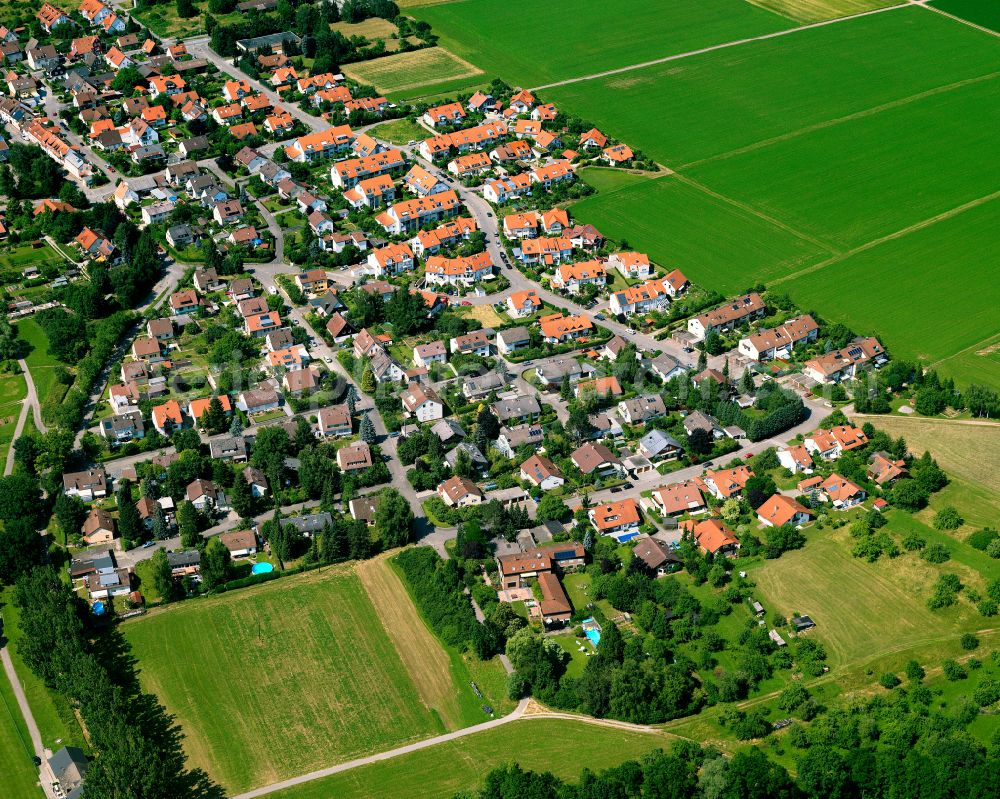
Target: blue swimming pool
[(98, 608), (261, 568), (594, 636), (592, 630)]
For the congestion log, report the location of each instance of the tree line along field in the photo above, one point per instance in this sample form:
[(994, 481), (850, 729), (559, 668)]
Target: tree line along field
[(863, 155), (299, 673), (562, 746), (532, 43)]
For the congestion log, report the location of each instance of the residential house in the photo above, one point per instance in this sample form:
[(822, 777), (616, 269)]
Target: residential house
[(354, 457), (696, 420), (650, 296), (412, 214), (510, 188), (167, 417), (422, 403), (618, 519), (598, 458), (841, 492), (523, 303), (256, 480), (481, 137), (511, 438), (884, 470), (727, 483), (518, 410), (642, 409), (846, 363), (740, 311), (258, 400), (88, 485), (299, 382), (796, 459), (541, 473), (228, 448), (679, 498), (632, 265), (227, 212), (478, 342), (714, 537), (455, 271), (548, 250), (206, 496), (573, 277), (240, 543), (432, 352), (334, 420), (313, 281), (443, 115), (371, 193), (658, 558), (423, 183), (550, 174), (778, 510), (459, 492), (391, 260), (778, 342), (831, 444), (552, 374), (476, 457), (513, 339), (557, 328), (197, 407), (657, 445), (323, 144), (183, 302)]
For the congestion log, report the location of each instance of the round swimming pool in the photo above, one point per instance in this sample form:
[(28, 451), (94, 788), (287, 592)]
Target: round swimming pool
[(98, 608), (261, 568)]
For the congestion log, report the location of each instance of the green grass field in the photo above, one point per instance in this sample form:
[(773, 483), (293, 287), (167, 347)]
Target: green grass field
[(681, 112), (857, 156), (530, 44), (19, 775), (284, 678), (979, 12), (415, 71), (400, 131), (52, 712), (941, 290), (715, 242), (42, 365), (12, 391), (561, 746)]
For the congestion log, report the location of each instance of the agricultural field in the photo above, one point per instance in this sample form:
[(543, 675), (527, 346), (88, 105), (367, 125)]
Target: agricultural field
[(806, 11), (414, 72), (975, 11), (506, 37), (162, 19), (561, 746), (950, 441), (223, 667), (714, 241), (840, 165), (952, 314)]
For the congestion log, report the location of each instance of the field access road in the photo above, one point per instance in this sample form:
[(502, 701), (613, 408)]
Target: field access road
[(726, 45), (29, 403)]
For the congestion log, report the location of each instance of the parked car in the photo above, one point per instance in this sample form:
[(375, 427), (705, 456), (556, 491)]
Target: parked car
[(599, 316)]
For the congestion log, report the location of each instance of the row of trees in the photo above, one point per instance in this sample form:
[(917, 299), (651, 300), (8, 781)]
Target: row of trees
[(138, 745)]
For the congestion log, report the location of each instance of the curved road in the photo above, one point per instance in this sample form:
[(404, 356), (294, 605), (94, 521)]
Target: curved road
[(30, 402)]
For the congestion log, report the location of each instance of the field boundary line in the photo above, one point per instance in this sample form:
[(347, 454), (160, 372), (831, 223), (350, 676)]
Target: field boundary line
[(959, 209), (992, 339), (873, 111), (967, 23), (757, 213), (723, 46)]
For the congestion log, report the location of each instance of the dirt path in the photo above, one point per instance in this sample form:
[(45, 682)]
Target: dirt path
[(427, 662), (723, 46), (29, 403)]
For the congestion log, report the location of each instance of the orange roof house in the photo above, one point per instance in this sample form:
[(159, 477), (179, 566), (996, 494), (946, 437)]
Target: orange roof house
[(779, 510)]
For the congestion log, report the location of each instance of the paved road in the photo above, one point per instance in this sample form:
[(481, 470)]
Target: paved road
[(37, 747)]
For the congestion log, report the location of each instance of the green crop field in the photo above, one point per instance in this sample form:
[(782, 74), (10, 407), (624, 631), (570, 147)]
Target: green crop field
[(715, 242), (858, 159), (283, 678), (558, 745), (817, 10), (708, 105), (530, 43), (942, 292), (980, 12)]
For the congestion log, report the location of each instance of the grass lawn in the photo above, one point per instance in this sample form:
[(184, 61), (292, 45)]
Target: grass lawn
[(517, 41), (372, 28), (400, 131), (303, 660), (950, 443), (486, 315), (20, 776), (976, 11), (18, 258), (577, 658), (12, 391), (42, 365), (561, 746), (412, 71), (162, 19)]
